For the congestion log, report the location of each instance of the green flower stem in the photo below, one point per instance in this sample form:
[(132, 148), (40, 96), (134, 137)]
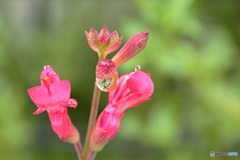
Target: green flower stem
[(78, 148), (92, 120)]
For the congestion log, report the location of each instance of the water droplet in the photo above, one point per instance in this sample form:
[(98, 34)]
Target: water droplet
[(106, 84), (137, 68)]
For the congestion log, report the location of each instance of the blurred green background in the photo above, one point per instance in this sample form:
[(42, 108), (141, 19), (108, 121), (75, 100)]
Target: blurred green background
[(192, 55)]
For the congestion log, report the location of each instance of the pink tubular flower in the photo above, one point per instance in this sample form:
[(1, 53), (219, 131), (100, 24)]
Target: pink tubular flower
[(132, 90), (53, 96)]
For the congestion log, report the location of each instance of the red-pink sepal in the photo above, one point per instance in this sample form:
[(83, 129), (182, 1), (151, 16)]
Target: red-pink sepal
[(92, 39), (114, 42), (104, 42), (104, 36), (131, 48), (132, 89), (107, 127)]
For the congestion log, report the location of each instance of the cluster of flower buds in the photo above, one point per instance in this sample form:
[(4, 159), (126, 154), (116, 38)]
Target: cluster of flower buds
[(125, 92), (105, 43)]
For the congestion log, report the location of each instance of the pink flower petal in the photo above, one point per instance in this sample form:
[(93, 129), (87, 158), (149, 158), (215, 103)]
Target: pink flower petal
[(60, 121), (39, 110), (116, 94), (131, 100), (58, 93), (109, 121), (39, 95), (98, 139), (107, 126), (141, 82), (48, 76), (131, 91)]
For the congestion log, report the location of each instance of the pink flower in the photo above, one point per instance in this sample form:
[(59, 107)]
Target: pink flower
[(132, 90), (53, 96)]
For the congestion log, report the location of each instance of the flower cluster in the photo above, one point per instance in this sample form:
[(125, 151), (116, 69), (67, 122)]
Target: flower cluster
[(130, 90), (105, 43), (125, 92)]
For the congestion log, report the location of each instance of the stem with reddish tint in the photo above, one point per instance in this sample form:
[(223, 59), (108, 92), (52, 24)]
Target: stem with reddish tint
[(92, 155), (92, 120), (78, 148)]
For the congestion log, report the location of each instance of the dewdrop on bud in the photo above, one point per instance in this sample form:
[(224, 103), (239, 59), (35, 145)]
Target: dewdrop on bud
[(106, 75)]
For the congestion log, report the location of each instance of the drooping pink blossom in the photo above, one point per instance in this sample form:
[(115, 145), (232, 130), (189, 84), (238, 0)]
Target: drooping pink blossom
[(132, 90), (53, 96)]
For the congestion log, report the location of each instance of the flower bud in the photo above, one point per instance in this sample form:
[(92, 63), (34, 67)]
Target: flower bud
[(106, 75), (104, 42), (131, 48)]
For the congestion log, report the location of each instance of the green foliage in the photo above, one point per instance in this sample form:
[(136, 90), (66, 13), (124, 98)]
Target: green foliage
[(195, 107)]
